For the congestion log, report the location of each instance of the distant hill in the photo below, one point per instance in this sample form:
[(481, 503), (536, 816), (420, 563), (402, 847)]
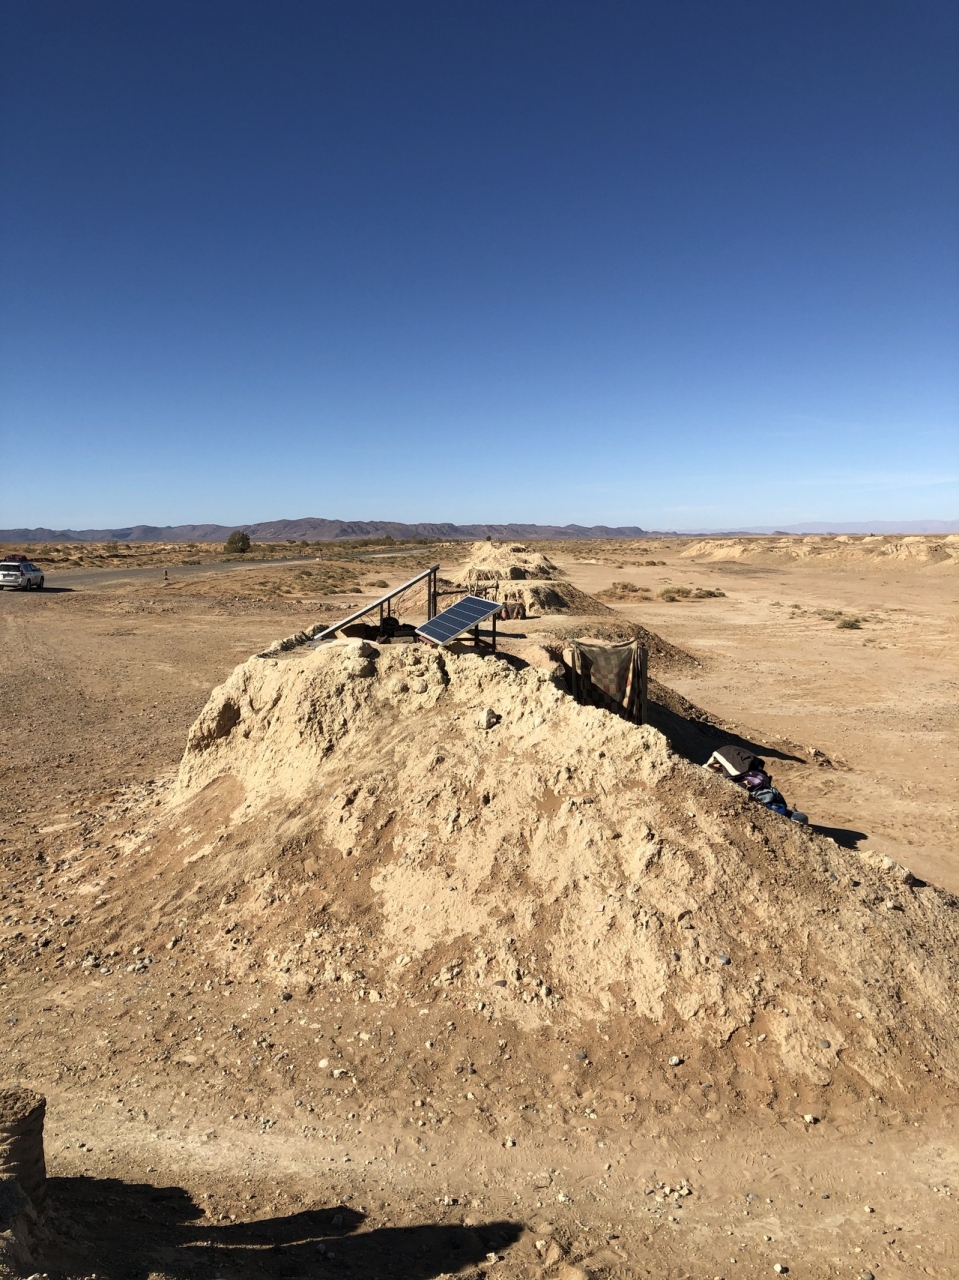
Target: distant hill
[(314, 529), (318, 530)]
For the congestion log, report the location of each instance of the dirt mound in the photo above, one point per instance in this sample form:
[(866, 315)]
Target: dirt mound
[(403, 904), (493, 561), (545, 862), (879, 549), (550, 597), (511, 572)]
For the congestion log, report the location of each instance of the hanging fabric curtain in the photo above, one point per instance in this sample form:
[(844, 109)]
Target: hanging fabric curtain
[(613, 676)]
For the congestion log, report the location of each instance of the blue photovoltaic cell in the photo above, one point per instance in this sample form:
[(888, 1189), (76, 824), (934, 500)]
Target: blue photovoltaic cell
[(462, 616)]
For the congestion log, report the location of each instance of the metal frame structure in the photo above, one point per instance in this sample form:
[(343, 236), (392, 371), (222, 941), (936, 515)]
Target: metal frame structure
[(386, 602)]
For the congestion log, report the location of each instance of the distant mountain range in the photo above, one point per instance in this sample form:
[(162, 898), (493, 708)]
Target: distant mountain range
[(318, 530)]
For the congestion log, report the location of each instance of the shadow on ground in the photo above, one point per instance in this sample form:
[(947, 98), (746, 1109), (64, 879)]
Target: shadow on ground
[(844, 836), (692, 733), (129, 1231)]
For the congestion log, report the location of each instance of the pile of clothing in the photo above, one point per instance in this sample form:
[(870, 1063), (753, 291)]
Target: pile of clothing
[(744, 768)]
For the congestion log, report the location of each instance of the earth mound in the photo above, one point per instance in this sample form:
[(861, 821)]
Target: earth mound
[(493, 561), (512, 572), (430, 891), (546, 863)]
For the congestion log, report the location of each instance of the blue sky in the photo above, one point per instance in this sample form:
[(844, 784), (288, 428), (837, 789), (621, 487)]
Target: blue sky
[(672, 264)]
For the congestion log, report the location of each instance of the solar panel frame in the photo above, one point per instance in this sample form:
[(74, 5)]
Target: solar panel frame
[(457, 619)]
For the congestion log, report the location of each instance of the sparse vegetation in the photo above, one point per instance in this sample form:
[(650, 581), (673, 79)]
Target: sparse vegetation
[(625, 591), (238, 543), (849, 624), (689, 593)]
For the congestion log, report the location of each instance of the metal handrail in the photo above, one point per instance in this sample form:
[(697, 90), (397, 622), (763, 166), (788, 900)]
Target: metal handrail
[(378, 604)]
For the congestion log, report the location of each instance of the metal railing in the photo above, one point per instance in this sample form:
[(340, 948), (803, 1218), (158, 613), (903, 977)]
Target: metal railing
[(386, 602)]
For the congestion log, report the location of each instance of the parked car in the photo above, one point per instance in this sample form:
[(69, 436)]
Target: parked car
[(17, 571)]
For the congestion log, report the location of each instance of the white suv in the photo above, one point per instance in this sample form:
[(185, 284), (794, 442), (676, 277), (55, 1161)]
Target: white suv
[(19, 572)]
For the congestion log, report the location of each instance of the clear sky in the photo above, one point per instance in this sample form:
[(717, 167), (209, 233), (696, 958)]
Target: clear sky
[(675, 264)]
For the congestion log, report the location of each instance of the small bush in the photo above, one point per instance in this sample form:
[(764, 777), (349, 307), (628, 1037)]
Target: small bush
[(380, 583), (238, 543), (707, 593), (849, 624)]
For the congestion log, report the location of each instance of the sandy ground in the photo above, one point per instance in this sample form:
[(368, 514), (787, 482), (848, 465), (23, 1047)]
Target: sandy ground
[(97, 690)]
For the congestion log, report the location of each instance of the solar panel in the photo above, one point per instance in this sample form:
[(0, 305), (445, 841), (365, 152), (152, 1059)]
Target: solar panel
[(458, 618)]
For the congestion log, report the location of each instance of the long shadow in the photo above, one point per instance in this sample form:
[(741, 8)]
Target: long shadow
[(843, 836), (128, 1231), (690, 732)]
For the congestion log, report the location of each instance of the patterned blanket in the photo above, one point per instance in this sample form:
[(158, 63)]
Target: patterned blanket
[(611, 676)]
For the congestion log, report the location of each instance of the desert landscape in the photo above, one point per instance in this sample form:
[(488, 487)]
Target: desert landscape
[(395, 961)]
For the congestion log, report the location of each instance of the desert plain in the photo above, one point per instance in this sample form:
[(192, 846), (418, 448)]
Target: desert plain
[(385, 963)]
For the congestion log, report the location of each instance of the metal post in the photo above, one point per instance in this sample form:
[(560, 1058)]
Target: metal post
[(494, 632)]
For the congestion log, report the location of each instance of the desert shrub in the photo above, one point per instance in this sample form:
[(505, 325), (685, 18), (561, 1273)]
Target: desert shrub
[(625, 586), (238, 542), (675, 593), (849, 624), (707, 593), (379, 582)]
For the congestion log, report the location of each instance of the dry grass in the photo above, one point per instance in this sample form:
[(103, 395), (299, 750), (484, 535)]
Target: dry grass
[(689, 593), (121, 555)]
